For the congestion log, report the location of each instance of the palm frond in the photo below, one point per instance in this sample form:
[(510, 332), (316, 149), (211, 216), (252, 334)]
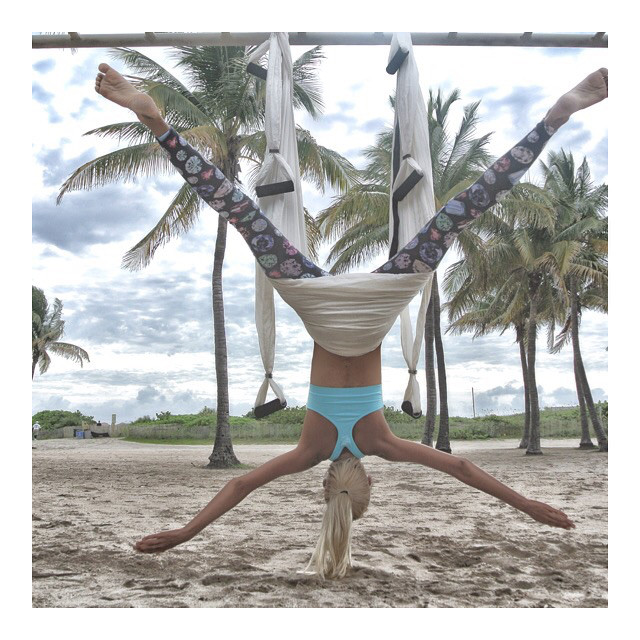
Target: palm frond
[(180, 216), (44, 360), (320, 165), (307, 90), (361, 204), (121, 165), (69, 351), (314, 236), (152, 71), (131, 132), (359, 244)]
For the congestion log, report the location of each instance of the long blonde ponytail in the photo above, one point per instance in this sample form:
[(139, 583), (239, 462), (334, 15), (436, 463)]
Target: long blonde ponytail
[(347, 493)]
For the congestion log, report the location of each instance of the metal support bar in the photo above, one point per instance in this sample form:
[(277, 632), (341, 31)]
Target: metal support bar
[(74, 40)]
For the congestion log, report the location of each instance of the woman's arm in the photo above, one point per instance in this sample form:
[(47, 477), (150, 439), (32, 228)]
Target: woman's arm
[(400, 450), (236, 490)]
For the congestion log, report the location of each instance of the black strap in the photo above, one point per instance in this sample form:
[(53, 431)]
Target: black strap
[(257, 71), (264, 410), (274, 189), (395, 164), (407, 407), (396, 62), (403, 190)]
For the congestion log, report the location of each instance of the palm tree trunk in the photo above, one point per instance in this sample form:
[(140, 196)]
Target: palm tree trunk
[(534, 432), (585, 441), (442, 443), (429, 360), (601, 436), (222, 455), (524, 443), (34, 362), (581, 373), (585, 437)]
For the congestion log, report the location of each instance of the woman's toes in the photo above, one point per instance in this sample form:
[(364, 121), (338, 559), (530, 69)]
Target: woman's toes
[(104, 67), (605, 75)]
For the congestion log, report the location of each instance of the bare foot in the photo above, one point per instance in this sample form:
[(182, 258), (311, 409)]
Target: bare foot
[(115, 87), (593, 89)]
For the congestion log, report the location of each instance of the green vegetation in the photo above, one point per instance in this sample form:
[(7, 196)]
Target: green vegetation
[(57, 419), (285, 426)]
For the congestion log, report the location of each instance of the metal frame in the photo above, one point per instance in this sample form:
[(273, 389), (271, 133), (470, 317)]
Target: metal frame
[(75, 40)]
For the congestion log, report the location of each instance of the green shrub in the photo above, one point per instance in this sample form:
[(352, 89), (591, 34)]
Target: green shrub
[(57, 419)]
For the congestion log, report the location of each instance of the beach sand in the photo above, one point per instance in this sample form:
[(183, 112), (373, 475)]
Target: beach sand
[(426, 541)]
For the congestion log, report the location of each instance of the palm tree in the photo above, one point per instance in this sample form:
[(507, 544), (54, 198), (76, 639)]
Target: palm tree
[(357, 221), (47, 327), (581, 209), (533, 250), (221, 114), (510, 264), (482, 313), (442, 443)]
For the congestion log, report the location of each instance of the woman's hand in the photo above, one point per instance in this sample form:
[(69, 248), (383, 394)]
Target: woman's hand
[(159, 542), (548, 515)]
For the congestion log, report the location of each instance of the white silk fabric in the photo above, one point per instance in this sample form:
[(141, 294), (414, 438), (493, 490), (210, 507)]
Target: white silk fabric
[(348, 314), (351, 313), (418, 207), (284, 210)]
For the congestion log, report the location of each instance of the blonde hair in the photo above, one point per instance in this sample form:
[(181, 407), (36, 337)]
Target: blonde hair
[(347, 493)]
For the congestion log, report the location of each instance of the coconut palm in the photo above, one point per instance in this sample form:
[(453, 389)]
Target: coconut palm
[(47, 327), (581, 208), (533, 248), (482, 314), (510, 264), (358, 220), (221, 113)]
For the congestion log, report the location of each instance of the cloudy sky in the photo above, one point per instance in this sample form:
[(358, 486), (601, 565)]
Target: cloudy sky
[(149, 333)]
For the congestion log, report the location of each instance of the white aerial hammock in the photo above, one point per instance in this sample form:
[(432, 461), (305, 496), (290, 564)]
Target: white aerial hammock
[(412, 203), (347, 314)]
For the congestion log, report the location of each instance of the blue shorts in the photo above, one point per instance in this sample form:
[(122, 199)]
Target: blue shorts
[(343, 407)]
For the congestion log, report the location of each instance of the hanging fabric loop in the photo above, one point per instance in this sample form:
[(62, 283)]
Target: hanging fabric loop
[(253, 67), (271, 171), (408, 177), (276, 175), (412, 203), (283, 207)]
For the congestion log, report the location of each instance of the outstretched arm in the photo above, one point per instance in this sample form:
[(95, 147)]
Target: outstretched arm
[(400, 450), (236, 490)]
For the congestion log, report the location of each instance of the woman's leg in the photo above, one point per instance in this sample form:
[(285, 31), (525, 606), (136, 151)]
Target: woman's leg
[(275, 254), (425, 251)]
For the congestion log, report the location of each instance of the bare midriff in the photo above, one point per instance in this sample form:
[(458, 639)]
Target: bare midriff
[(331, 370)]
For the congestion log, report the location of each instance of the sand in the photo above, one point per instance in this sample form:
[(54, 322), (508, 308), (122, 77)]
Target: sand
[(426, 541)]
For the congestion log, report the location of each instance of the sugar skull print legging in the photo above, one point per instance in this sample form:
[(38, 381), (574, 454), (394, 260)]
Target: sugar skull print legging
[(280, 259)]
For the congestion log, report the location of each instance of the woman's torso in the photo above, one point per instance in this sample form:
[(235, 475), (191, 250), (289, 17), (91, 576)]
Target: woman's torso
[(331, 370)]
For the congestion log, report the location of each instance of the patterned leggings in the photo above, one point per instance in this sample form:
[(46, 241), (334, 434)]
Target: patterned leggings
[(280, 259)]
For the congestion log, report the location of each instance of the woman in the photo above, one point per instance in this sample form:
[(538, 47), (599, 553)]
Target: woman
[(344, 421)]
